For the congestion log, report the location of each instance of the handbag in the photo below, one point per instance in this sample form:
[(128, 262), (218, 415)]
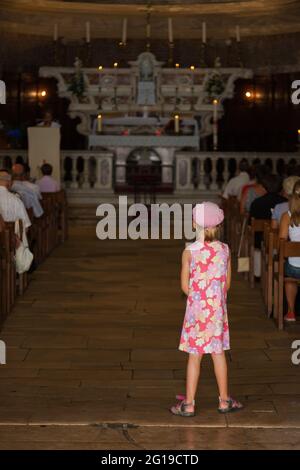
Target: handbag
[(23, 256), (243, 261)]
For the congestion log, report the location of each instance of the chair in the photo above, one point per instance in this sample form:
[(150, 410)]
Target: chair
[(286, 249)]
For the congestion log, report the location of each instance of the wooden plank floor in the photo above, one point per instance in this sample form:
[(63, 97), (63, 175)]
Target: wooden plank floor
[(92, 359)]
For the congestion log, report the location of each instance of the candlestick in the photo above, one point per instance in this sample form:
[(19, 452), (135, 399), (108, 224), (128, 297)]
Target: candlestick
[(124, 32), (176, 123), (55, 32), (171, 54), (215, 125), (204, 32), (170, 30), (99, 123), (88, 31), (238, 34)]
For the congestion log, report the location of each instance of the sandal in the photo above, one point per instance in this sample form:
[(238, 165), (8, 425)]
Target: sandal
[(232, 405), (179, 409), (180, 397)]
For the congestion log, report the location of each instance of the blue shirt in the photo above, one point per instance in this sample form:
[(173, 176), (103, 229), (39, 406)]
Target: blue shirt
[(279, 210)]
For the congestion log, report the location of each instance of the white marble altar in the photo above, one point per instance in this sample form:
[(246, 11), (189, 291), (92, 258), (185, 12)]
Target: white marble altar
[(115, 91)]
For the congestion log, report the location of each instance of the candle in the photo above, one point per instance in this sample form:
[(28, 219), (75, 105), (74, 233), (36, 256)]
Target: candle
[(99, 123), (176, 123), (124, 32), (55, 32), (238, 34), (204, 32), (299, 136), (215, 125), (88, 31), (170, 30)]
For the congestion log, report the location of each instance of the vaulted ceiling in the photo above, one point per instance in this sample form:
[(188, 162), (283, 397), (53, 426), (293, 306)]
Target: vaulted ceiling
[(255, 17)]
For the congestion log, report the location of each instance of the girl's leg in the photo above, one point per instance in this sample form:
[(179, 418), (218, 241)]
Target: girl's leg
[(220, 368), (291, 289), (192, 378)]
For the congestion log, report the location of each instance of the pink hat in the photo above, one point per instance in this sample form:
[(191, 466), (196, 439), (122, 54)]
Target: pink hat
[(207, 214)]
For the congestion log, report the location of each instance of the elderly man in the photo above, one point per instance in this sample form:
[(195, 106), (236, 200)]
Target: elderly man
[(235, 185), (29, 192), (11, 206)]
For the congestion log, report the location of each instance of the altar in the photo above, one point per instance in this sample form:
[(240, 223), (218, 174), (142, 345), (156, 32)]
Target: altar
[(147, 112)]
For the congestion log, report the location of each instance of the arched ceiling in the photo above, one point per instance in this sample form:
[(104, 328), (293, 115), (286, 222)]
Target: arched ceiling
[(255, 17)]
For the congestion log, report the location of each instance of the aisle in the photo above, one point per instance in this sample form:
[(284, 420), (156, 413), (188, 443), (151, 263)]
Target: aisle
[(94, 342)]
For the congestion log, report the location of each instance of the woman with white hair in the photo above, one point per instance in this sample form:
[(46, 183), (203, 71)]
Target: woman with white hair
[(288, 186)]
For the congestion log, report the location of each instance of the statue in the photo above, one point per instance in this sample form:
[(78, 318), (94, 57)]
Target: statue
[(146, 70), (146, 86)]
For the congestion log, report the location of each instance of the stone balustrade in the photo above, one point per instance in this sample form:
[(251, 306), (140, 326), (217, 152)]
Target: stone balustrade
[(87, 173)]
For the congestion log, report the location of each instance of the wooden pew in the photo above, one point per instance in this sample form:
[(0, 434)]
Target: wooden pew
[(286, 249), (269, 266), (256, 226), (233, 222), (44, 235)]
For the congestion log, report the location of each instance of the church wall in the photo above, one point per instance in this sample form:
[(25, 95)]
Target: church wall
[(269, 123)]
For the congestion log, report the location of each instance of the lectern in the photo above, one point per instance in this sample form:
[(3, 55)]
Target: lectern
[(44, 147)]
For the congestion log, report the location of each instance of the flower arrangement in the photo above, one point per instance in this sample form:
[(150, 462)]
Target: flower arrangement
[(215, 86), (77, 85)]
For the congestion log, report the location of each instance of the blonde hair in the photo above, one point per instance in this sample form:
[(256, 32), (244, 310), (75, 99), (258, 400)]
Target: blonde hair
[(289, 183), (294, 205), (209, 234)]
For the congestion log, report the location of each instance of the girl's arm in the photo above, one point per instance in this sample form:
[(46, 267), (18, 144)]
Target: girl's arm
[(185, 271), (228, 279), (284, 226)]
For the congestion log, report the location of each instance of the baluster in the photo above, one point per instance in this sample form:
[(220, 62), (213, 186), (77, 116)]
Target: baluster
[(85, 176), (202, 185), (213, 185), (74, 182), (98, 173), (225, 172)]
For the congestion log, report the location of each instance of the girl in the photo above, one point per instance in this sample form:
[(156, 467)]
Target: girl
[(290, 228), (205, 279)]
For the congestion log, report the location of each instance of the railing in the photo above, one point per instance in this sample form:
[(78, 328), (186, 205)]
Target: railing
[(95, 171), (210, 171)]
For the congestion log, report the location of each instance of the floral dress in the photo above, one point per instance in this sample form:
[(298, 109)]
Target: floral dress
[(205, 328)]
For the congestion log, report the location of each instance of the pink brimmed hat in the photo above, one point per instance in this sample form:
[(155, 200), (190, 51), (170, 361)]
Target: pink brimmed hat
[(207, 215)]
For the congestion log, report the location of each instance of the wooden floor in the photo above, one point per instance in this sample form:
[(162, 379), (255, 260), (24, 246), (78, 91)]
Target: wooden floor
[(92, 359)]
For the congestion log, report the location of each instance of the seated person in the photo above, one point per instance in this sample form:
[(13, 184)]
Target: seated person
[(29, 192), (235, 184), (254, 189), (280, 209), (47, 184), (290, 229), (11, 206), (262, 208)]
